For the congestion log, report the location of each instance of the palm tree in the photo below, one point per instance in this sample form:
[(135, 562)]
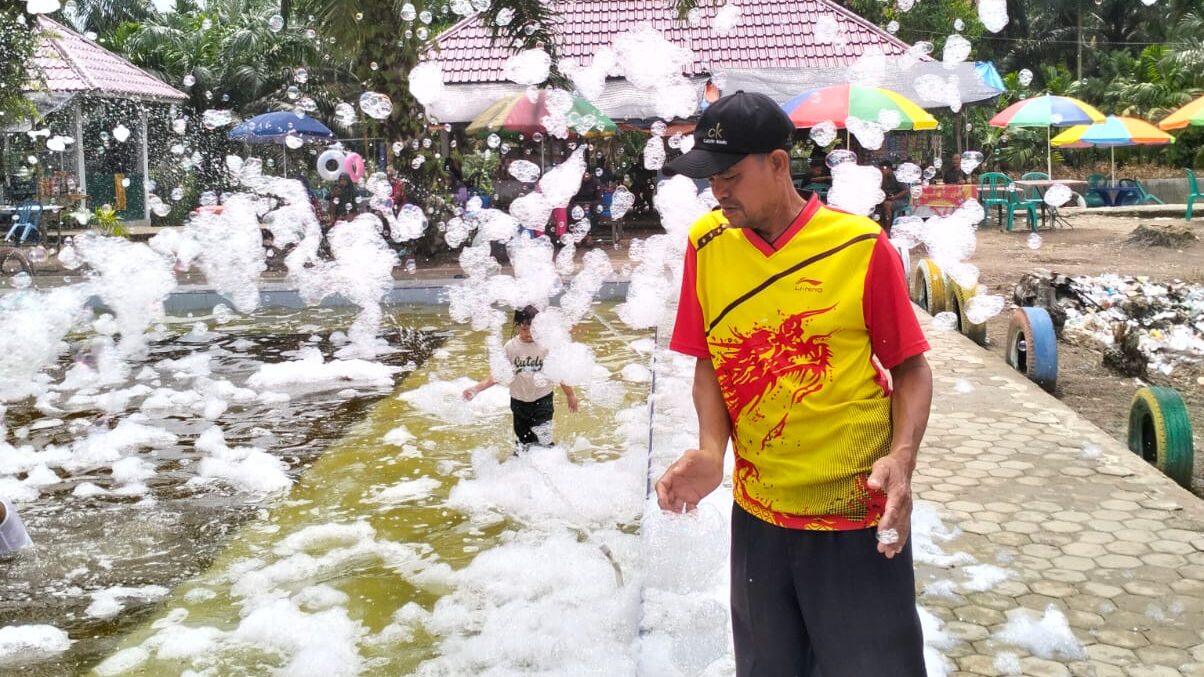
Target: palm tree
[(103, 17)]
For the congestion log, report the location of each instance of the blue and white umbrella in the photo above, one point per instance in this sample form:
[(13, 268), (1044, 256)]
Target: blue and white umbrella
[(279, 128), (276, 127)]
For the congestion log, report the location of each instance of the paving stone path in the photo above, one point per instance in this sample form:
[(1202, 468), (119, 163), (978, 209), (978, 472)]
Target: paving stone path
[(1083, 523), (1037, 508)]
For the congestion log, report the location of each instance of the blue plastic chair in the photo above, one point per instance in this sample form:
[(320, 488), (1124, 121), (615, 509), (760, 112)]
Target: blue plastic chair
[(29, 215)]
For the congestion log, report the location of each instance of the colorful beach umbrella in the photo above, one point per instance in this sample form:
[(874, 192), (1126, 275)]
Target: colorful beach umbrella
[(837, 103), (1047, 111), (1190, 115), (1112, 132), (522, 114)]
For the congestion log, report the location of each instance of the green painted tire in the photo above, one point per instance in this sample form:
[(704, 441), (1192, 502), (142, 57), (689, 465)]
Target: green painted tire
[(928, 287), (955, 302), (1160, 432)]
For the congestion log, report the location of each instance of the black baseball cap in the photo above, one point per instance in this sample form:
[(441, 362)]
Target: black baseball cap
[(525, 315), (735, 126)]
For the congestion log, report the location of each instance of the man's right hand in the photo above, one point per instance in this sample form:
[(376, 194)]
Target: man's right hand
[(690, 478)]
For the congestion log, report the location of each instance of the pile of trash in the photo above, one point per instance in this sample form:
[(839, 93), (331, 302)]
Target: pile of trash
[(1143, 325)]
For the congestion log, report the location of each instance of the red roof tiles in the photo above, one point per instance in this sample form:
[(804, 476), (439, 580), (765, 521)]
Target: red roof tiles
[(770, 34), (68, 62)]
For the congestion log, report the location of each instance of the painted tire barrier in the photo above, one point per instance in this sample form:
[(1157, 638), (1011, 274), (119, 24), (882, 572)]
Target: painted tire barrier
[(1032, 347), (955, 302), (353, 164), (928, 287), (1160, 432), (905, 256), (330, 165)]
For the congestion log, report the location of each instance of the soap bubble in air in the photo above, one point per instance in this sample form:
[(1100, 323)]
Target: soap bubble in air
[(525, 171), (1025, 77), (908, 172), (726, 20), (957, 49), (654, 153), (1034, 241), (979, 309), (621, 201), (945, 321), (1058, 195), (824, 133), (971, 159), (276, 23), (993, 14), (840, 157)]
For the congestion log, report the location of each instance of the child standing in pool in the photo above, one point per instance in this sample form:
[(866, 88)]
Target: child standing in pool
[(530, 391)]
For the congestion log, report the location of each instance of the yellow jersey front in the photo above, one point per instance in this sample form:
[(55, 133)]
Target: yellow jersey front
[(796, 338)]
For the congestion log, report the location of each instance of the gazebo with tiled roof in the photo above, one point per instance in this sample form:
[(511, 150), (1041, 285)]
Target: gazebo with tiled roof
[(772, 49), (68, 67)]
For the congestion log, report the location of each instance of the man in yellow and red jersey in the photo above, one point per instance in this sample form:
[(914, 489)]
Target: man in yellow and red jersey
[(810, 361)]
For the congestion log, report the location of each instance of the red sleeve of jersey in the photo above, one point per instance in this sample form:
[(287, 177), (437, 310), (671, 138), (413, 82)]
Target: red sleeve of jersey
[(895, 332), (689, 336)]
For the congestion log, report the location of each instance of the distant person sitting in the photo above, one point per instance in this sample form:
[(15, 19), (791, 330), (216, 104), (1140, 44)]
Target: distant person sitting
[(897, 194), (588, 197), (345, 196), (952, 173)]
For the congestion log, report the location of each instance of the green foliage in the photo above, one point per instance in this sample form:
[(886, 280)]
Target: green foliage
[(17, 43), (105, 222), (479, 168)]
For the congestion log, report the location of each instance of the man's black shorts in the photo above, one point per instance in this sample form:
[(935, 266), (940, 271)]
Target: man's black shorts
[(532, 421), (821, 604)]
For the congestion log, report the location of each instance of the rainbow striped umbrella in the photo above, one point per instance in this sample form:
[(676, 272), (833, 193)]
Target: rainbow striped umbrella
[(1191, 114), (837, 103), (1112, 132), (1047, 111), (520, 114)]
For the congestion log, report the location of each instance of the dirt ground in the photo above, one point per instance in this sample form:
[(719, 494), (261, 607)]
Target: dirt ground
[(1092, 246)]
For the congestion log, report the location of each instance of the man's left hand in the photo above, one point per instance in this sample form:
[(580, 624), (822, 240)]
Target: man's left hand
[(572, 402), (890, 475)]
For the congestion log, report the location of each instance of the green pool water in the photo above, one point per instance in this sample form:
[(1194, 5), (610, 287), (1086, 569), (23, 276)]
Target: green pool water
[(338, 488)]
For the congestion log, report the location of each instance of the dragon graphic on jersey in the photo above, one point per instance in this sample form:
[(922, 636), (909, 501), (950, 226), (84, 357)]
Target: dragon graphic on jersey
[(750, 366)]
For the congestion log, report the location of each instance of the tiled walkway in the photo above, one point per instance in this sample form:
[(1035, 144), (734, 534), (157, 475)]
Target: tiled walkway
[(1023, 506), (1079, 521)]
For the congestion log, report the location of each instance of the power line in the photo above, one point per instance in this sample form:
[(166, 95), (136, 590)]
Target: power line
[(1060, 42)]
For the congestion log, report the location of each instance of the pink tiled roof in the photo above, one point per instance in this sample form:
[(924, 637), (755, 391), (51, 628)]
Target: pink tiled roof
[(68, 62), (770, 34)]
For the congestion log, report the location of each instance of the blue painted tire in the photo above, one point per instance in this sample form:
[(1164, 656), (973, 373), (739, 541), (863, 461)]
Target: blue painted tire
[(1033, 347)]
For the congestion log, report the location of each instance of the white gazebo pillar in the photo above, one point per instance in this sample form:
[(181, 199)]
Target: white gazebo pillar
[(144, 162), (77, 116)]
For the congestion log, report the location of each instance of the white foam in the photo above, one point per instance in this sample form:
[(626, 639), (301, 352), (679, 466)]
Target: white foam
[(312, 373), (1049, 637), (407, 491), (22, 644), (109, 602)]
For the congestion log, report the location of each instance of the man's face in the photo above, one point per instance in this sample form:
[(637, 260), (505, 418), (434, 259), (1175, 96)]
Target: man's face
[(744, 190), (886, 171)]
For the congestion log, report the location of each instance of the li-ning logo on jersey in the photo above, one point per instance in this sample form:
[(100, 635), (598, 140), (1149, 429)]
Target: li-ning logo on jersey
[(715, 135)]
